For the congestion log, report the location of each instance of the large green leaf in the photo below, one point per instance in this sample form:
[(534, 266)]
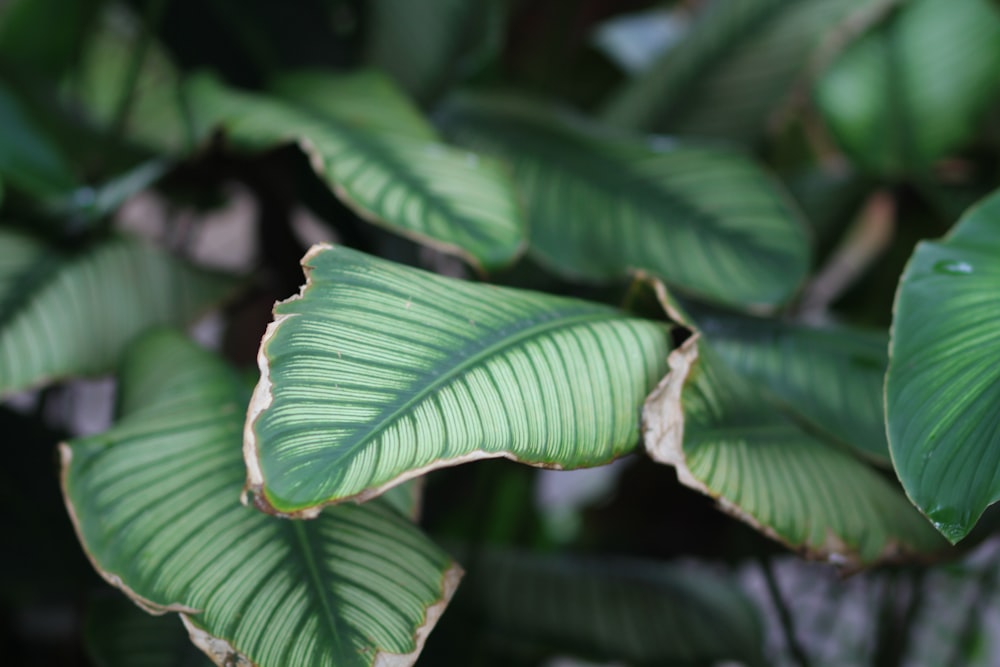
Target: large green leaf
[(435, 194), (735, 67), (830, 377), (156, 505), (377, 373), (600, 205), (911, 91), (943, 384), (730, 443), (427, 45), (64, 314), (639, 612)]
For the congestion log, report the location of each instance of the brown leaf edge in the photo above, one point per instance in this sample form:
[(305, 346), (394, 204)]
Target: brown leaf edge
[(260, 401), (663, 437)]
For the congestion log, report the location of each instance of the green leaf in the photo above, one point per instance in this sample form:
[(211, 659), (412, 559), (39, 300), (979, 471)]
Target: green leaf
[(119, 634), (426, 46), (148, 109), (728, 442), (829, 377), (29, 159), (639, 612), (378, 373), (943, 384), (737, 64), (155, 502), (44, 36), (437, 195), (705, 220), (64, 314), (912, 91), (365, 99)]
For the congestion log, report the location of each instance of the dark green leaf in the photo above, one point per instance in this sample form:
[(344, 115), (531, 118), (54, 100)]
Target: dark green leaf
[(910, 92), (639, 612), (600, 205), (728, 442), (943, 385)]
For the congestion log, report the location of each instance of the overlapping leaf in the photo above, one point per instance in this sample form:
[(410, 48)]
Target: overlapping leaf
[(831, 377), (156, 505), (379, 372), (943, 384), (705, 220), (435, 194), (64, 314), (737, 64), (911, 91), (730, 443), (637, 612)]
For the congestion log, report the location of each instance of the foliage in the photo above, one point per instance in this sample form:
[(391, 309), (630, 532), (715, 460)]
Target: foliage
[(703, 265)]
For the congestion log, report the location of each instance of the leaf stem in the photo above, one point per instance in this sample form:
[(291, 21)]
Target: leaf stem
[(784, 615)]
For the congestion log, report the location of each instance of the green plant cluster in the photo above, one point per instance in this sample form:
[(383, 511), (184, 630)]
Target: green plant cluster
[(693, 235)]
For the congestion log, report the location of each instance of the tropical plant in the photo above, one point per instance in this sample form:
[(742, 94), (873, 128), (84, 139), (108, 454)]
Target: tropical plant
[(562, 234)]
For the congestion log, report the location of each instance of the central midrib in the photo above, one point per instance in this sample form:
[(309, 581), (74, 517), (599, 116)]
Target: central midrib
[(442, 379)]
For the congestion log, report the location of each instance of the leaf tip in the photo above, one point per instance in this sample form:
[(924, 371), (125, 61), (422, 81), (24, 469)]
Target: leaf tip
[(449, 584)]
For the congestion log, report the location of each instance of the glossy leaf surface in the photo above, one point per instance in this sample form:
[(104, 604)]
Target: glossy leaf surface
[(156, 505), (64, 314), (915, 88), (379, 372), (728, 442), (442, 196), (601, 205), (943, 385)]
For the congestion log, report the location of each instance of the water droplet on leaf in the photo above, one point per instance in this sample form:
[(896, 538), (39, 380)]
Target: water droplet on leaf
[(953, 267)]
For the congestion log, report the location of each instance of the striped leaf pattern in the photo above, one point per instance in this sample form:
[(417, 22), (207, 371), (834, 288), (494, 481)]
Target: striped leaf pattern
[(707, 221), (447, 198), (72, 314), (728, 442), (734, 68), (637, 612), (377, 373), (906, 94), (156, 504), (830, 377), (943, 384)]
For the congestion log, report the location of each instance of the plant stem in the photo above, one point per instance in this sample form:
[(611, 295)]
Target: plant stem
[(784, 615)]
